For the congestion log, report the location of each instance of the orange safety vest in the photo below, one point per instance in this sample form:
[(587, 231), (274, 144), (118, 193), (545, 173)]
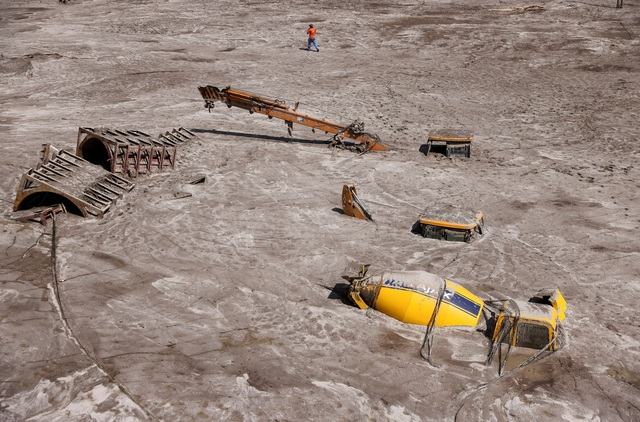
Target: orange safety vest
[(312, 33)]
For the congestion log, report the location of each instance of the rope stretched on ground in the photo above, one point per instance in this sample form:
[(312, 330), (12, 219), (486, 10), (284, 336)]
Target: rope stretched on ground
[(428, 336), (536, 357), (58, 302)]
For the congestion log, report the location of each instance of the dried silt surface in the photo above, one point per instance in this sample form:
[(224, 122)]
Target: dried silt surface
[(221, 302)]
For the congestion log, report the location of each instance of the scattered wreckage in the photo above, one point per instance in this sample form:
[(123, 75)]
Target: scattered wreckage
[(64, 178), (270, 107), (445, 223), (88, 183), (40, 215), (422, 298), (130, 152)]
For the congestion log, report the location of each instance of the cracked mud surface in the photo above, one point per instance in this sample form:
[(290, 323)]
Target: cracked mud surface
[(219, 306)]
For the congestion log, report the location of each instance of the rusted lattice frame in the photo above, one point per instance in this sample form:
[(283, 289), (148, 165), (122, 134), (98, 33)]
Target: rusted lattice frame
[(91, 189), (133, 152)]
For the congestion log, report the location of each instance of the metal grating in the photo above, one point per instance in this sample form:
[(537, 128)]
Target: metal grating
[(130, 152), (71, 179)]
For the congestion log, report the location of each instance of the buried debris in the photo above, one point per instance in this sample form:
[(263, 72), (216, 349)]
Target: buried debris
[(130, 152), (182, 194), (64, 178), (362, 141), (450, 142), (198, 180), (87, 183), (535, 8), (39, 214), (419, 297), (449, 224), (352, 206)]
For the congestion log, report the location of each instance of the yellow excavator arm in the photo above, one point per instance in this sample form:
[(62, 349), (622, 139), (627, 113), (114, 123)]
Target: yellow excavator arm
[(281, 110)]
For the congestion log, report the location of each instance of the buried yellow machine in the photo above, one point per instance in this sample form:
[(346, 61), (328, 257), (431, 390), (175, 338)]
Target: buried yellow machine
[(419, 297), (450, 224)]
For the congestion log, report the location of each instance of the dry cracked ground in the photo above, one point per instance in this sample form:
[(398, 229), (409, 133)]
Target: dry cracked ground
[(223, 306)]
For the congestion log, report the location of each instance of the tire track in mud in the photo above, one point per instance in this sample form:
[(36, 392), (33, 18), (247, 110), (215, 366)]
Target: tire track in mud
[(54, 291)]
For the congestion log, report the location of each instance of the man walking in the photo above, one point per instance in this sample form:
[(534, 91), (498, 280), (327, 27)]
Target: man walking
[(311, 41)]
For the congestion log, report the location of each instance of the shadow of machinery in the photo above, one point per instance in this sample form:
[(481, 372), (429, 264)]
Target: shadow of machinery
[(270, 138), (434, 149), (340, 291)]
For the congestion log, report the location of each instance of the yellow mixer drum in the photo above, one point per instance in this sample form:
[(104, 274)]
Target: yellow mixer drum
[(411, 297)]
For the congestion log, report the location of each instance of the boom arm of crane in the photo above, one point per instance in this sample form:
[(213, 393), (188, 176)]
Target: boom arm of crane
[(281, 110)]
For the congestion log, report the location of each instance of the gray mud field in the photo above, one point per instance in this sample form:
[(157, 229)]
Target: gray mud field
[(223, 305)]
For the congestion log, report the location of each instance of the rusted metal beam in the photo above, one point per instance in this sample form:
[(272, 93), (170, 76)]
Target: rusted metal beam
[(130, 152), (82, 187), (281, 110)]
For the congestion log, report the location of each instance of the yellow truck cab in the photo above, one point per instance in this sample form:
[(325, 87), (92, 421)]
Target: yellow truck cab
[(536, 321)]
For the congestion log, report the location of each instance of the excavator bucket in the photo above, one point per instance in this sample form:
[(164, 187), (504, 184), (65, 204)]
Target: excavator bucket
[(352, 206)]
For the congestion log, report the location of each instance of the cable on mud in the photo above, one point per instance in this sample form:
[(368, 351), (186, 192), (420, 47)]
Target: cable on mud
[(69, 331), (534, 358)]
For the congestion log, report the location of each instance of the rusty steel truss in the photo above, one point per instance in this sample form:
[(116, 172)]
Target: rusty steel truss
[(130, 152), (362, 141), (64, 178)]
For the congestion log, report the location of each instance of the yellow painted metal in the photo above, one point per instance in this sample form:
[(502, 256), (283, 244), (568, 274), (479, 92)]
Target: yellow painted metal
[(559, 304), (355, 297), (412, 297), (450, 135), (479, 219), (531, 315), (551, 319), (415, 306), (281, 110)]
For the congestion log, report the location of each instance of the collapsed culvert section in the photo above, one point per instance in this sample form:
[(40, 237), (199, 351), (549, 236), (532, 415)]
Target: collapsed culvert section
[(95, 151), (130, 152), (47, 199), (64, 178)]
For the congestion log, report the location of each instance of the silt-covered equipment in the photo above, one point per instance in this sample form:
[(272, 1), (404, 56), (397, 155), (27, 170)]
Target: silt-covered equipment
[(422, 298)]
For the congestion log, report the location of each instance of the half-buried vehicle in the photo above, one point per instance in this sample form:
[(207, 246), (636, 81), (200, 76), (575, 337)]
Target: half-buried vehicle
[(422, 298)]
